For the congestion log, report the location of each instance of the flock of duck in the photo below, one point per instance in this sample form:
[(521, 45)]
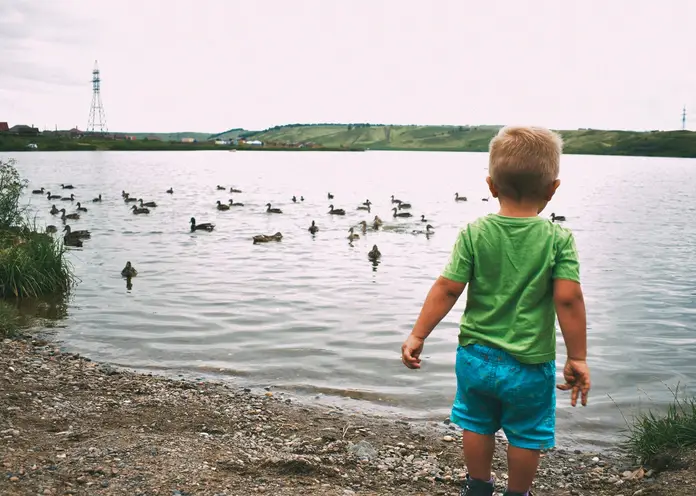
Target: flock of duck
[(75, 238)]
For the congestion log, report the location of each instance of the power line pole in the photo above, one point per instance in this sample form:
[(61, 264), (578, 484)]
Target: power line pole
[(97, 117), (684, 118)]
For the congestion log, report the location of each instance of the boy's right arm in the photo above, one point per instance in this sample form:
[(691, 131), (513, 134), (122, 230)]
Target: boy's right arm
[(570, 309), (440, 300)]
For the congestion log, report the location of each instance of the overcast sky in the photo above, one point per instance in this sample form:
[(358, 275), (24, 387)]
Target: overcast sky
[(211, 65)]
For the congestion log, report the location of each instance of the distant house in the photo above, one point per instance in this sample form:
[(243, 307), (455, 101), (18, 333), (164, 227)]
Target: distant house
[(23, 130), (4, 127), (254, 143), (188, 140), (222, 142)]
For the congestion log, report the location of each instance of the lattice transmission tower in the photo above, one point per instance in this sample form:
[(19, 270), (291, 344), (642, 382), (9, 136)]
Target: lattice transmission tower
[(97, 116)]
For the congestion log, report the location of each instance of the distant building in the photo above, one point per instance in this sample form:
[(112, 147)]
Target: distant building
[(23, 130), (4, 127), (254, 143), (222, 142), (188, 140), (32, 146)]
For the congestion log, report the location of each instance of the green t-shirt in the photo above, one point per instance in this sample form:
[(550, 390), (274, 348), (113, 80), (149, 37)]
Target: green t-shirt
[(510, 264)]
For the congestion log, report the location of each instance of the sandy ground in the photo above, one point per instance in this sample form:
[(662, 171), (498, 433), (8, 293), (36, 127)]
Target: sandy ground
[(72, 426)]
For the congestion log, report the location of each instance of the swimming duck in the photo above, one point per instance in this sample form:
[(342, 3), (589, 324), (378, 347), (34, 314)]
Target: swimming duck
[(124, 194), (222, 206), (555, 217), (67, 186), (201, 227), (68, 216), (377, 223), (69, 198), (363, 226), (80, 208), (427, 230), (313, 228), (272, 210), (221, 188), (148, 204), (72, 241), (97, 199), (404, 205), (52, 197), (129, 271), (485, 199), (82, 233), (365, 206), (423, 219), (374, 254), (54, 210), (170, 191), (128, 199), (336, 211), (330, 196), (401, 214), (38, 191), (235, 190), (459, 198), (233, 204), (352, 236), (294, 199), (301, 198), (395, 200), (51, 229), (263, 238), (139, 211)]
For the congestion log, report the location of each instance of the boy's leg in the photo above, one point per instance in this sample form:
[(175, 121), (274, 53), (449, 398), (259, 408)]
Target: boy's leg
[(522, 467), (478, 454)]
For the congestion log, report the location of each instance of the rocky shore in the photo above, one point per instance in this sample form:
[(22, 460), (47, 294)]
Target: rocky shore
[(72, 426)]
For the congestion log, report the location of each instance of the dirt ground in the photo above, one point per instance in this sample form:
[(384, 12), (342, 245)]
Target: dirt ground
[(72, 426)]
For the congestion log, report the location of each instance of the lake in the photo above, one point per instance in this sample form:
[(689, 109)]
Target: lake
[(313, 317)]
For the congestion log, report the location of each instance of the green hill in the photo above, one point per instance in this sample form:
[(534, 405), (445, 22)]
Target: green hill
[(171, 136)]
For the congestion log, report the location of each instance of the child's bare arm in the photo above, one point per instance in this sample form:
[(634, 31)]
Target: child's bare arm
[(440, 300), (570, 309)]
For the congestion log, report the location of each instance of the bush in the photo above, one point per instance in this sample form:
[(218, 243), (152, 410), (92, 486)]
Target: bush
[(9, 320), (652, 437), (32, 263)]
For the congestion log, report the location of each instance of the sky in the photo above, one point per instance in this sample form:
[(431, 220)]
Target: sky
[(212, 65)]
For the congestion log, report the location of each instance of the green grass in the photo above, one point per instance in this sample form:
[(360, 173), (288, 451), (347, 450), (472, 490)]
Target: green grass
[(9, 320), (654, 436)]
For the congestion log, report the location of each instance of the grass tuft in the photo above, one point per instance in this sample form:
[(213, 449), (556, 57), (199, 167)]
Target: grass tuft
[(652, 436), (9, 320)]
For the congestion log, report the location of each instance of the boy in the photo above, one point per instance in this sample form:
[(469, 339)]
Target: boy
[(522, 271)]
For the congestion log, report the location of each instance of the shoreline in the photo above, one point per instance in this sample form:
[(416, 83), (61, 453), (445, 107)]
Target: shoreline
[(74, 426)]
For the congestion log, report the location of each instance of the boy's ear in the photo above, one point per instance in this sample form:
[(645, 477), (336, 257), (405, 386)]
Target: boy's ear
[(491, 187), (552, 189)]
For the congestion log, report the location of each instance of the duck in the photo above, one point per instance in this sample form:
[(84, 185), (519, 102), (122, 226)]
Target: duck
[(67, 186), (330, 196), (97, 199), (486, 199), (428, 230), (365, 206), (313, 228), (170, 191), (139, 211), (148, 204), (235, 190), (52, 197), (80, 208), (270, 210), (374, 254), (124, 194), (51, 229), (395, 200), (404, 205), (222, 206), (69, 198), (294, 199), (459, 198), (352, 236), (38, 191), (301, 198), (201, 227), (263, 238), (555, 217), (129, 271), (221, 188), (423, 219), (128, 199), (72, 241), (233, 204), (336, 211), (82, 233), (377, 222), (68, 216), (401, 214), (363, 226), (54, 210)]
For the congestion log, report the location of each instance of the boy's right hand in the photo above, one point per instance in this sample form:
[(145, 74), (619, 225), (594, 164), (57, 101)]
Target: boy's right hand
[(577, 378), (411, 350)]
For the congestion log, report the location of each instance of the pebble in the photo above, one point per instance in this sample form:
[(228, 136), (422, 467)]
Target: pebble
[(448, 439)]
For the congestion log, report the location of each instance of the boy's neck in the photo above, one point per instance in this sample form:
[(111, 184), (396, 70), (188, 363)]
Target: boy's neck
[(519, 209)]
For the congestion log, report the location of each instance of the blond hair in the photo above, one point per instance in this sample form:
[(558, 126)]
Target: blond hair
[(524, 161)]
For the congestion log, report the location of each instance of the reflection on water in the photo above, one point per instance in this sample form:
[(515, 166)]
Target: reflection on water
[(311, 315)]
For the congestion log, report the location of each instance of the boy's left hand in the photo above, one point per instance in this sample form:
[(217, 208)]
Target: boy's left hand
[(411, 350)]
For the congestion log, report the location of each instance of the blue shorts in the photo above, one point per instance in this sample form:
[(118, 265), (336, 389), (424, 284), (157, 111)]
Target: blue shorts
[(496, 391)]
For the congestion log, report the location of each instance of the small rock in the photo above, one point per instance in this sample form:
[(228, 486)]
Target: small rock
[(14, 478), (448, 439)]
